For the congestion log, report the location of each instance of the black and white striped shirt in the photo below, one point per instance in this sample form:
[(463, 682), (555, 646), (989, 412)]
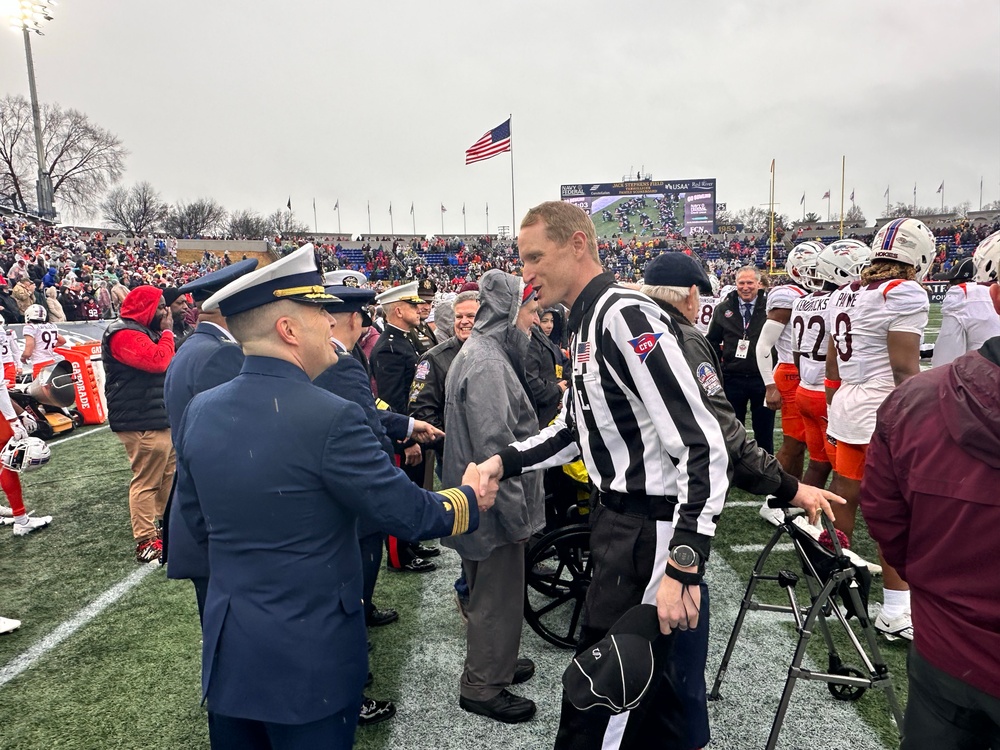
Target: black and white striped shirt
[(635, 413)]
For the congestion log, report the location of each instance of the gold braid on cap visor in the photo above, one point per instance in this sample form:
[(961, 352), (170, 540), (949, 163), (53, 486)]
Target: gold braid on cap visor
[(309, 292)]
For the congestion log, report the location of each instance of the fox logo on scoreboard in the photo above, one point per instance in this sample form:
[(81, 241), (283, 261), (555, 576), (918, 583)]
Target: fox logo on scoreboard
[(644, 344)]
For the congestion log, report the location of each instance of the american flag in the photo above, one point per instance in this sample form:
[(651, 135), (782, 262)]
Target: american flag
[(493, 142), (826, 195), (583, 352)]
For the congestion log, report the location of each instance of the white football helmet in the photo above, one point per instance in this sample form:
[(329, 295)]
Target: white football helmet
[(801, 265), (907, 241), (841, 261), (987, 259), (25, 455), (35, 314), (716, 284)]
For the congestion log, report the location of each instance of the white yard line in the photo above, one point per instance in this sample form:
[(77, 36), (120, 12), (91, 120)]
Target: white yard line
[(79, 435), (741, 549), (29, 658)]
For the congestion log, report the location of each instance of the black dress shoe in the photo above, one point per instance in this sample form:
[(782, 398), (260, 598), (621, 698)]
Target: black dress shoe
[(379, 617), (421, 551), (416, 565), (375, 712), (524, 670), (505, 707)]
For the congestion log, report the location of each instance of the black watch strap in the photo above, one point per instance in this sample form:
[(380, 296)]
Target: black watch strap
[(688, 579)]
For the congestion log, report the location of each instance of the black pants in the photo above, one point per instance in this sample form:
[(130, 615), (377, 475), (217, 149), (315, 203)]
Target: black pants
[(335, 732), (748, 390), (371, 561), (944, 713), (624, 549)]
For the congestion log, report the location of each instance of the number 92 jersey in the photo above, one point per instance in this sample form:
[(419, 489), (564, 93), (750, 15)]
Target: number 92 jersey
[(860, 318)]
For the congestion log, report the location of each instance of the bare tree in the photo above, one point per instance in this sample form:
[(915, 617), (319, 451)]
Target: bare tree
[(197, 219), (284, 223), (136, 210), (854, 216), (82, 158), (248, 225)]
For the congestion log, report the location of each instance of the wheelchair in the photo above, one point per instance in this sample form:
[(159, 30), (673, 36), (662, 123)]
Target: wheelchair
[(558, 565)]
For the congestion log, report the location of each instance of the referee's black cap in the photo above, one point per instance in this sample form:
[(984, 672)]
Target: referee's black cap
[(615, 673), (676, 269)]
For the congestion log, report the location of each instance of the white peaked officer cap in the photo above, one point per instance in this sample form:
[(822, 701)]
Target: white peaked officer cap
[(295, 277), (404, 293), (344, 278)]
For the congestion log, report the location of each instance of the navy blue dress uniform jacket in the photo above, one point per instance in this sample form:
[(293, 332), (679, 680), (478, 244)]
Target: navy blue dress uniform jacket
[(394, 362), (209, 359), (349, 380), (273, 474)]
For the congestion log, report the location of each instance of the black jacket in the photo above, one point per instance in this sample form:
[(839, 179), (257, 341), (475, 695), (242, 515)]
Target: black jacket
[(427, 393), (754, 469), (393, 363), (726, 330), (541, 373)]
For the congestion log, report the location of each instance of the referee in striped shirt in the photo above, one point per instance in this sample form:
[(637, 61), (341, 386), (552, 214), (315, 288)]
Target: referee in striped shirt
[(653, 447)]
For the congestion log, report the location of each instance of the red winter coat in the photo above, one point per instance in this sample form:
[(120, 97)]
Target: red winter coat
[(931, 497)]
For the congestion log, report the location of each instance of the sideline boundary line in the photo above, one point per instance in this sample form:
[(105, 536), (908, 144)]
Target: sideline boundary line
[(80, 435), (20, 664)]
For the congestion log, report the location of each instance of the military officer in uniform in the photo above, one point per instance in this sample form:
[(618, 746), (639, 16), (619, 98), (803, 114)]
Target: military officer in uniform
[(273, 475), (423, 336), (393, 363), (212, 357)]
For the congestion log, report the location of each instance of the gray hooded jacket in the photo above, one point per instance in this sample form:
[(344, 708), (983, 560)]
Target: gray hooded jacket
[(487, 408)]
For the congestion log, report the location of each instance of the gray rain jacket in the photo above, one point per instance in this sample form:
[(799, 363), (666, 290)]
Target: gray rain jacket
[(487, 407)]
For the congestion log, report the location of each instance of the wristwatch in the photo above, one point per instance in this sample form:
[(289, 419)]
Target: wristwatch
[(685, 556)]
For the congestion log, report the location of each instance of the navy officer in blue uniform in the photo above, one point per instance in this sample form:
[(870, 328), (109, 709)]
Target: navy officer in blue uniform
[(212, 357), (273, 475)]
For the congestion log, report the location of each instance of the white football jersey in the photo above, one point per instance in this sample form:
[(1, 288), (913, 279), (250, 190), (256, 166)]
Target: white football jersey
[(7, 355), (783, 298), (706, 309), (45, 336), (859, 319), (809, 329), (968, 319)]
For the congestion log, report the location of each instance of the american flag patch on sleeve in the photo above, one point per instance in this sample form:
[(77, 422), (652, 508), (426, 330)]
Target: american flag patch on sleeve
[(583, 352)]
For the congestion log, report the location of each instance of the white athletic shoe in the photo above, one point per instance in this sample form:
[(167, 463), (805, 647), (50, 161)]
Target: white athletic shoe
[(8, 625), (33, 523), (6, 515), (897, 627)]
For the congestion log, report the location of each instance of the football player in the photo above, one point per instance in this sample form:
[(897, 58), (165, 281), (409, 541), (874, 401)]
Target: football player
[(874, 329), (967, 315), (838, 264), (707, 304), (781, 380), (40, 339)]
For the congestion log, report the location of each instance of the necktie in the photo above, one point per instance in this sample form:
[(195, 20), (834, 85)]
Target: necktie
[(747, 313)]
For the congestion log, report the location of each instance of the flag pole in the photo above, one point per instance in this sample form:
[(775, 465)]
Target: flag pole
[(772, 217), (338, 215), (413, 218), (513, 209), (487, 219), (392, 229), (442, 220), (369, 218), (843, 169), (803, 206), (887, 199), (942, 196), (465, 226), (914, 198)]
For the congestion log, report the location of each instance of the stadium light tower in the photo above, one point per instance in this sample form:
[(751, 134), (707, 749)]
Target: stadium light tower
[(27, 16)]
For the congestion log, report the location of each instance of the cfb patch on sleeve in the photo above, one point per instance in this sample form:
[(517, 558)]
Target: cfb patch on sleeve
[(644, 344), (708, 378), (422, 369)]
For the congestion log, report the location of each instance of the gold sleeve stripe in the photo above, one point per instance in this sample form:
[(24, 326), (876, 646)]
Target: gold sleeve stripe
[(458, 499)]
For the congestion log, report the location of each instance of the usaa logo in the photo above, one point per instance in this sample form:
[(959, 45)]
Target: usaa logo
[(570, 190)]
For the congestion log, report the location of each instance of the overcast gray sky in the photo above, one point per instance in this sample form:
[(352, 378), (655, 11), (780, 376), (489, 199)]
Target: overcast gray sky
[(251, 102)]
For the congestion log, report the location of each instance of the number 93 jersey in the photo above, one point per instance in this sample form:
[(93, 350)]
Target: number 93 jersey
[(46, 336), (706, 309), (860, 318)]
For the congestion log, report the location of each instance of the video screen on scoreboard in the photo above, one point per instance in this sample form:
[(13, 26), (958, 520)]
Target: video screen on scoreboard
[(651, 208)]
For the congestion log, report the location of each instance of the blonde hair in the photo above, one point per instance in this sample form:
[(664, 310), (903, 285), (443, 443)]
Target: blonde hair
[(257, 324), (562, 220), (884, 270)]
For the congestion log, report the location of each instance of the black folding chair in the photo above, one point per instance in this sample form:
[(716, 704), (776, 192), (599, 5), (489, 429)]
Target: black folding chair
[(830, 576)]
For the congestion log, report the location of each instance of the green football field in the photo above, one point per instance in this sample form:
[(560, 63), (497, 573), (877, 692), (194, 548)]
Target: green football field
[(109, 652), (608, 228)]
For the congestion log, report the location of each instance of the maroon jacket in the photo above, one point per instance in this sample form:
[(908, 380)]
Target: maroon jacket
[(931, 497)]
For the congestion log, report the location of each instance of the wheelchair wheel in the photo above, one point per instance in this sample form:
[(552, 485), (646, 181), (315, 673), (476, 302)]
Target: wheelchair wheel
[(846, 692), (558, 572)]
